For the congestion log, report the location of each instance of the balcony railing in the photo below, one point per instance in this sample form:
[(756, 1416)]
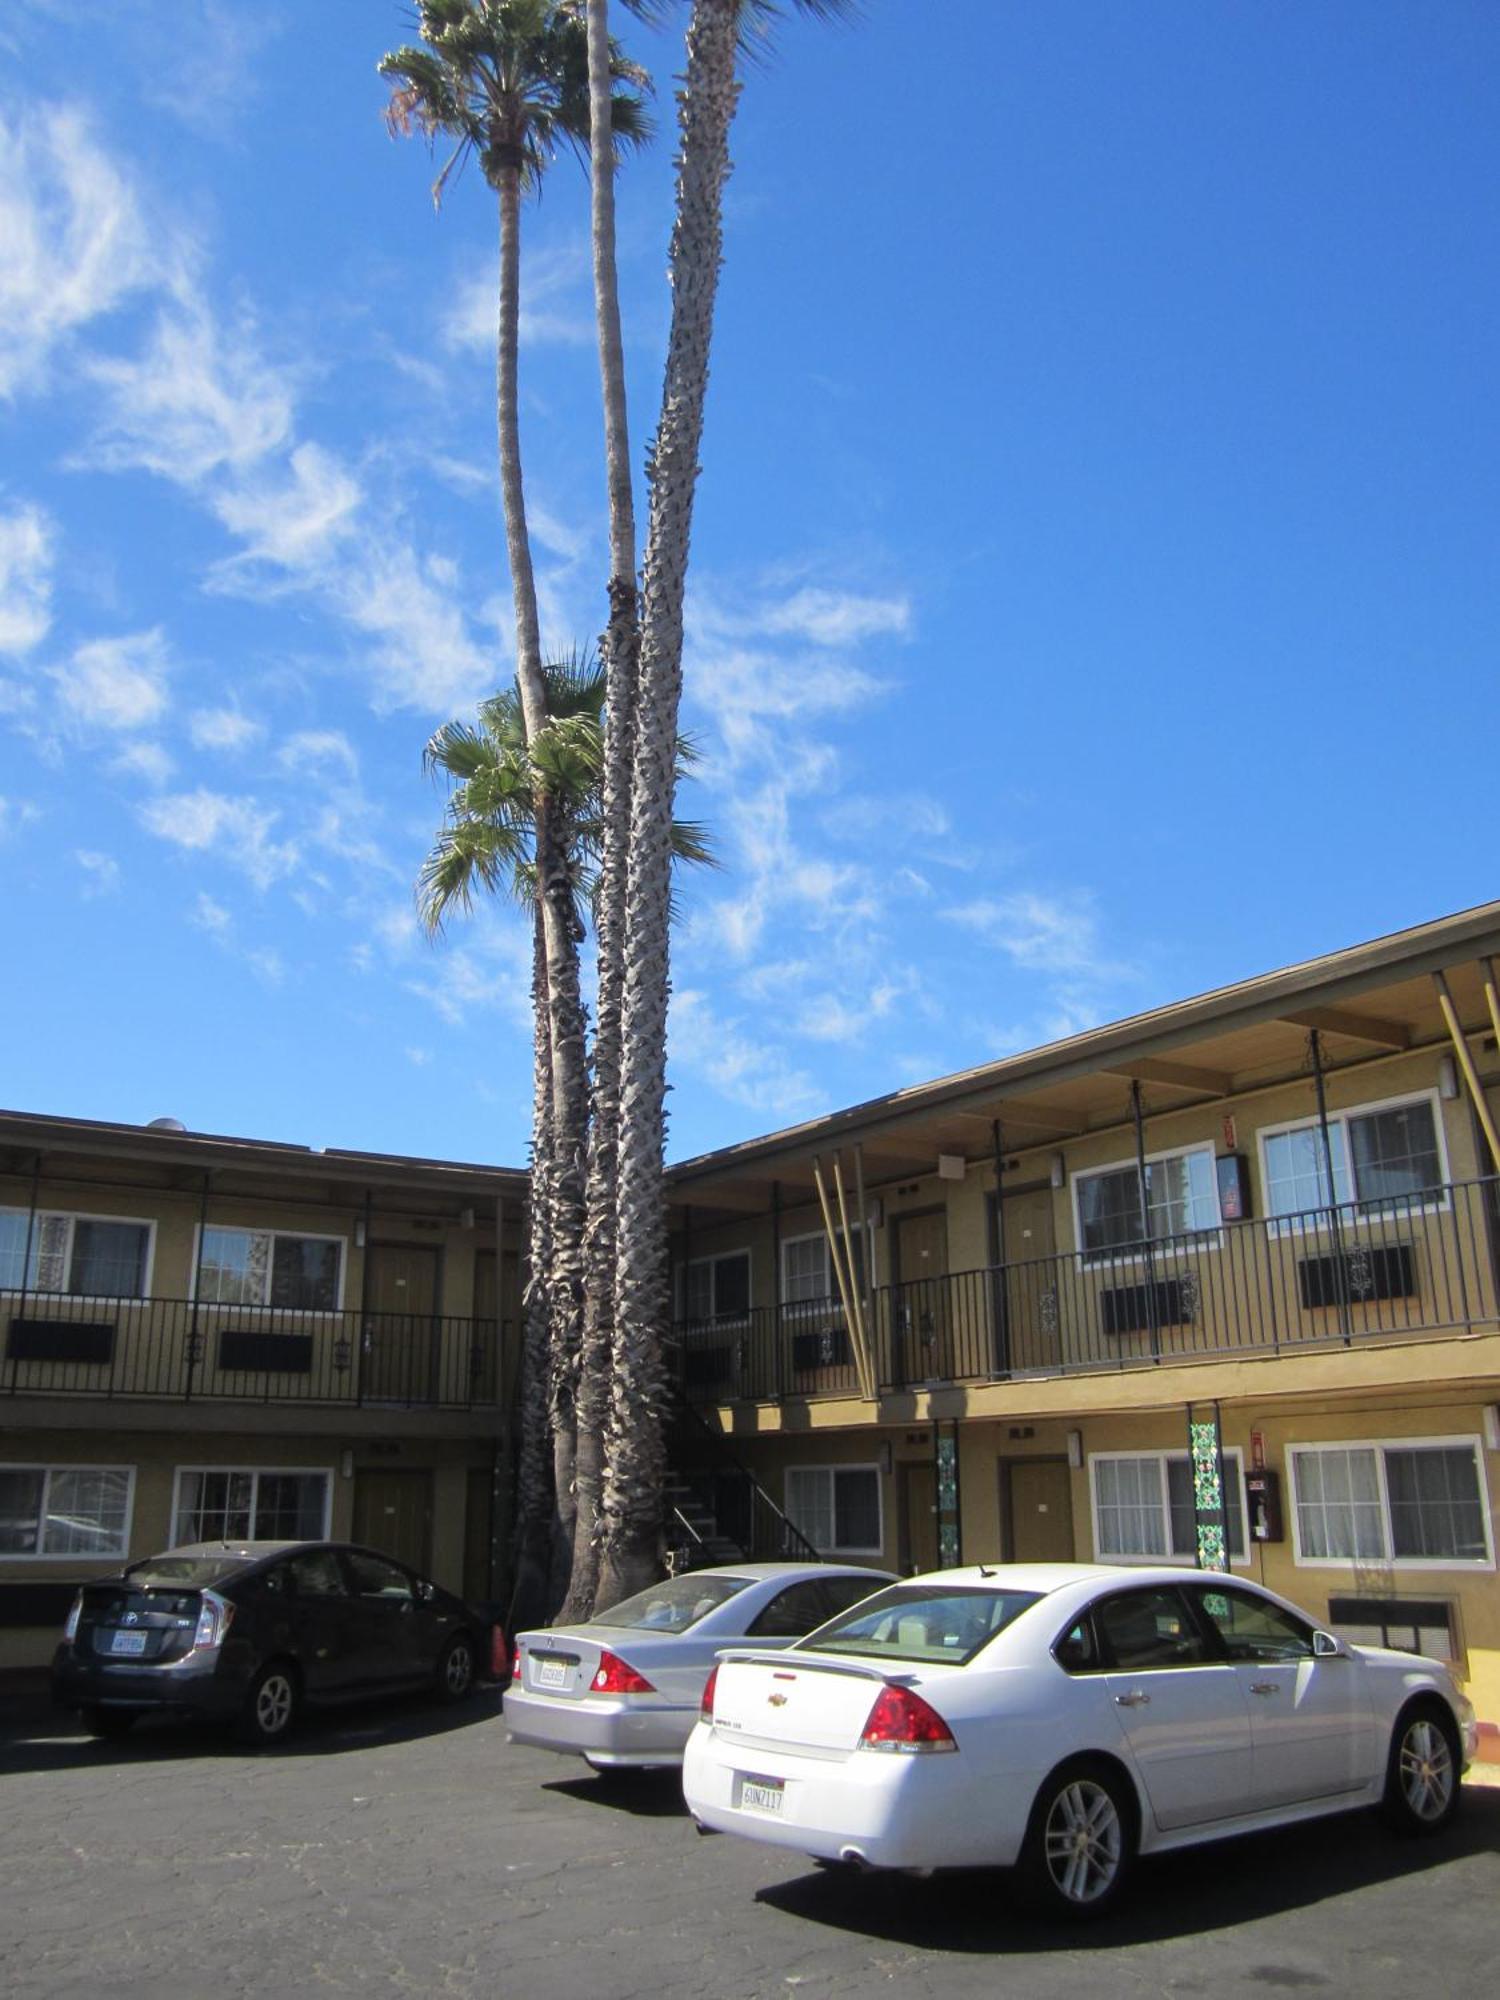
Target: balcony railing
[(52, 1344), (1422, 1263)]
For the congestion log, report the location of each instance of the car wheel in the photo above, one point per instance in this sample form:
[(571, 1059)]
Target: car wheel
[(455, 1668), (1081, 1840), (270, 1705), (1423, 1773), (107, 1722)]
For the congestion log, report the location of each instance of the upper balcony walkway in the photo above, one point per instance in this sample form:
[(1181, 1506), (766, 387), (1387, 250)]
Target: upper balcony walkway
[(1415, 1264), (120, 1348)]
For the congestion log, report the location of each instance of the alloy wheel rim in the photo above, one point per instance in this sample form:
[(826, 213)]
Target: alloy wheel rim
[(1426, 1770), (273, 1705), (459, 1669), (1084, 1841)]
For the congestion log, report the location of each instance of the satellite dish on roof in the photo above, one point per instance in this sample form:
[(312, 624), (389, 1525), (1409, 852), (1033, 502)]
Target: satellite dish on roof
[(166, 1125)]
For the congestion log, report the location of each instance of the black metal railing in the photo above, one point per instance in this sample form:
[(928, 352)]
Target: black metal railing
[(1409, 1264), (52, 1344), (732, 1498)]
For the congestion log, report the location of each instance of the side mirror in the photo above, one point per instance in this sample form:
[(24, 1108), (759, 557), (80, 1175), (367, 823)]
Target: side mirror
[(1326, 1647)]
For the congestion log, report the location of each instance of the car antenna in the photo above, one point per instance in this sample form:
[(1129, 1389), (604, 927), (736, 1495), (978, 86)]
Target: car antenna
[(987, 1572)]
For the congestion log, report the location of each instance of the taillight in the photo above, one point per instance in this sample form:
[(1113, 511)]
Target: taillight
[(614, 1677), (706, 1706), (215, 1617), (902, 1721), (70, 1627), (515, 1669)]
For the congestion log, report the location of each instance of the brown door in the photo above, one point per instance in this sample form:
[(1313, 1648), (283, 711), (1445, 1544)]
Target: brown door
[(496, 1330), (922, 1304), (1032, 1303), (1039, 1509), (400, 1329), (919, 1535), (393, 1513)]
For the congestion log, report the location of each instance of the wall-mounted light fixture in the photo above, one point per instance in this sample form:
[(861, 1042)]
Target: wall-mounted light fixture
[(346, 1463), (1059, 1171), (1448, 1078), (359, 1232), (951, 1166), (466, 1218), (1075, 1449)]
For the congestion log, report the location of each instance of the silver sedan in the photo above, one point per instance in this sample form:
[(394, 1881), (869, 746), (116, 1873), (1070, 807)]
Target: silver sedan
[(623, 1690)]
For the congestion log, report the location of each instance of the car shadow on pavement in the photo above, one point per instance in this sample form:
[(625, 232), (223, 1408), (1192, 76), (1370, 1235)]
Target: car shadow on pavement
[(1172, 1896), (36, 1736), (645, 1794)]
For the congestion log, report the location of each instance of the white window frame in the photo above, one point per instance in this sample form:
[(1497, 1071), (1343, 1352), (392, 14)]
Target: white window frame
[(83, 1555), (1389, 1560), (264, 1305), (1209, 1238), (832, 1471), (1297, 1222), (255, 1472), (72, 1216), (714, 1257), (832, 1295), (1233, 1455)]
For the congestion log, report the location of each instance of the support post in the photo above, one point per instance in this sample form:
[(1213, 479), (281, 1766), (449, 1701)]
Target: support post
[(1335, 1221), (1138, 1118)]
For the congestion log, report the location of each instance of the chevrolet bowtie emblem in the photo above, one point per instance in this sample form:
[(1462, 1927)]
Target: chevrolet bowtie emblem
[(776, 1700)]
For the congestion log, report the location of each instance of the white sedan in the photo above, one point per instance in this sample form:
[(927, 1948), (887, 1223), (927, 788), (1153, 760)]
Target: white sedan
[(623, 1690), (1063, 1718)]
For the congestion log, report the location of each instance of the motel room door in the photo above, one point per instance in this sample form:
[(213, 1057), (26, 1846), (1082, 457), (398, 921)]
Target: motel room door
[(400, 1329), (923, 1318), (1028, 1293), (393, 1513), (1036, 1497)]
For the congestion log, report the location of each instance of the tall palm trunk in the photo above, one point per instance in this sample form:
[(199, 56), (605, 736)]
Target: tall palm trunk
[(560, 930), (632, 1502), (621, 653), (534, 1595)]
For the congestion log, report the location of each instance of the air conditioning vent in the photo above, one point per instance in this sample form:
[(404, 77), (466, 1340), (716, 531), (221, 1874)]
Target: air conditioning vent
[(1387, 1271), (1127, 1308)]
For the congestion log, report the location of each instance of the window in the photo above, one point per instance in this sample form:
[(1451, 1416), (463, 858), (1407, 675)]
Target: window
[(240, 1504), (837, 1507), (1384, 1152), (1141, 1629), (923, 1622), (1415, 1501), (65, 1510), (717, 1287), (262, 1267), (377, 1578), (85, 1256), (807, 1270), (1182, 1199), (1143, 1507), (1252, 1629)]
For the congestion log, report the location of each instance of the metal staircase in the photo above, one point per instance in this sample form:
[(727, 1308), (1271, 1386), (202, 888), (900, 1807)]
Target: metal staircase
[(717, 1511)]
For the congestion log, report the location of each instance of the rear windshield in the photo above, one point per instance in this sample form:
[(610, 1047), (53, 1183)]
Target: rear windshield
[(191, 1572), (921, 1623), (674, 1605)]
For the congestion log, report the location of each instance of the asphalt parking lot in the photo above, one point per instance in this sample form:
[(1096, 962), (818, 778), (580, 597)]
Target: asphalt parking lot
[(411, 1851)]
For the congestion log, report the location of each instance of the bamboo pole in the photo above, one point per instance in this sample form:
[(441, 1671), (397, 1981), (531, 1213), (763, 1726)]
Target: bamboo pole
[(1487, 967), (833, 1251), (866, 1364), (1466, 1064)]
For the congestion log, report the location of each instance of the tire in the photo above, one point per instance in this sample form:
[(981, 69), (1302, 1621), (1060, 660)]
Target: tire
[(1423, 1772), (1080, 1841), (454, 1674), (107, 1723), (271, 1705)]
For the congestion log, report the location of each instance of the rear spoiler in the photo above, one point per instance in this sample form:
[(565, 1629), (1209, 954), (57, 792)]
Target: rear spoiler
[(820, 1663)]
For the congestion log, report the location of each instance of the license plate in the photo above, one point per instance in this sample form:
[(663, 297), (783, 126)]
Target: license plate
[(550, 1673), (761, 1794), (127, 1642)]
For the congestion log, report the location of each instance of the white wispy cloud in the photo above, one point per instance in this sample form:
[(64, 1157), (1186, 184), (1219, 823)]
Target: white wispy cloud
[(145, 760), (489, 973), (1039, 933), (118, 683), (236, 831), (212, 918), (838, 618), (223, 729), (74, 243), (752, 1072), (101, 872), (16, 813), (557, 305), (203, 73), (294, 515), (27, 553), (315, 750)]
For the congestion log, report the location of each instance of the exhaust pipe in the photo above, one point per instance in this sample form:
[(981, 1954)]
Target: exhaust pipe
[(853, 1858)]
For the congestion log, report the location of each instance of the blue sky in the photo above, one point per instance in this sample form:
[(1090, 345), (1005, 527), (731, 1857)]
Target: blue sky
[(1094, 590)]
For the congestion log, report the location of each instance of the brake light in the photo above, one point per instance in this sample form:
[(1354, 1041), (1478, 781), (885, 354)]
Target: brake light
[(215, 1617), (70, 1627), (614, 1677), (706, 1706), (515, 1667), (903, 1722)]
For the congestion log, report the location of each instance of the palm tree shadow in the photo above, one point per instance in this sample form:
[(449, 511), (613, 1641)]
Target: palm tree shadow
[(1176, 1896)]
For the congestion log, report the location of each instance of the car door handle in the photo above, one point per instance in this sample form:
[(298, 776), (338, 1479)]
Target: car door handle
[(1265, 1687), (1137, 1698)]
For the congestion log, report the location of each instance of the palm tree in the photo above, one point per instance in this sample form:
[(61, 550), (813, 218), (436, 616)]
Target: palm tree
[(632, 1503), (487, 844), (507, 81)]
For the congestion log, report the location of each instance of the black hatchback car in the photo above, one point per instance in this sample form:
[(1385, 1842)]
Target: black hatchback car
[(252, 1631)]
